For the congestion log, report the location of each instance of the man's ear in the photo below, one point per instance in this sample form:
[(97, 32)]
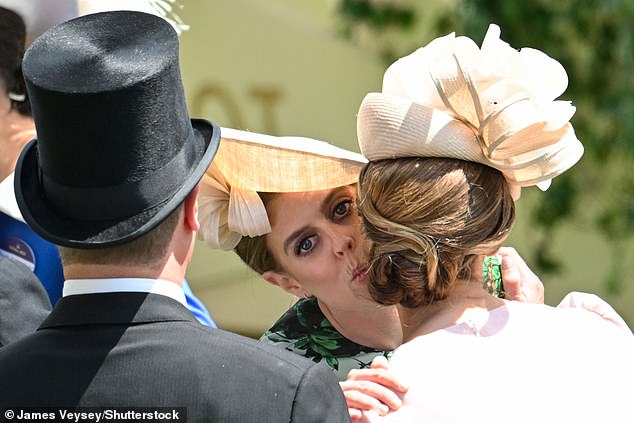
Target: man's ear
[(285, 282), (191, 210)]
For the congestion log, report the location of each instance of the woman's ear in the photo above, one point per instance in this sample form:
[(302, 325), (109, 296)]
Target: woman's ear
[(285, 282)]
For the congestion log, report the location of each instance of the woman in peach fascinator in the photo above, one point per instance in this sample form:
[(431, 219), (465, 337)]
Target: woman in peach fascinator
[(454, 135)]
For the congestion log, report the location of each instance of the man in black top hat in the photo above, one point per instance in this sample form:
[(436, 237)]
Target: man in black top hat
[(113, 179)]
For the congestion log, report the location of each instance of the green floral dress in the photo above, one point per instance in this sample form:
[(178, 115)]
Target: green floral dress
[(304, 330)]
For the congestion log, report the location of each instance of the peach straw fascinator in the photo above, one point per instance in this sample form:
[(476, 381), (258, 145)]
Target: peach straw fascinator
[(246, 163), (492, 105)]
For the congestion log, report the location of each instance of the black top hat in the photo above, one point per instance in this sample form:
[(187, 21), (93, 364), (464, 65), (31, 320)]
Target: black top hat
[(116, 151)]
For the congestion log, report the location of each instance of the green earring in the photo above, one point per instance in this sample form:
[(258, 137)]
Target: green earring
[(492, 276)]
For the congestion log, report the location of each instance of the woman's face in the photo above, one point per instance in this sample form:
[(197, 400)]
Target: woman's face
[(316, 238)]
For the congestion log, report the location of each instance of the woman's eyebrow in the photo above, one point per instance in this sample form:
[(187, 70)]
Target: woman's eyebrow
[(325, 209), (292, 238), (325, 204)]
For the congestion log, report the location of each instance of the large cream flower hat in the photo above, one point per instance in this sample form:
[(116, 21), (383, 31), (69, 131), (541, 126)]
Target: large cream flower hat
[(492, 105)]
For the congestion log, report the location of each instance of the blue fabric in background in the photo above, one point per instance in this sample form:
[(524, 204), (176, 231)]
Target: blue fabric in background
[(197, 308), (19, 242)]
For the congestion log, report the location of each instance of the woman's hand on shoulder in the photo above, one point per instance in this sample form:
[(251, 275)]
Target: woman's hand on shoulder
[(376, 389), (520, 283)]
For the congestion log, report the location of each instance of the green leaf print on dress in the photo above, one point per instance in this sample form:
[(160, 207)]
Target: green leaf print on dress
[(304, 330)]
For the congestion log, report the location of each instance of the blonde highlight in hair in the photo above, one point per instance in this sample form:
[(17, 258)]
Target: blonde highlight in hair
[(428, 219)]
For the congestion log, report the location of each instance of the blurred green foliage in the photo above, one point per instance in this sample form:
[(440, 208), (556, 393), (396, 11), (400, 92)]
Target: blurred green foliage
[(594, 41), (376, 14)]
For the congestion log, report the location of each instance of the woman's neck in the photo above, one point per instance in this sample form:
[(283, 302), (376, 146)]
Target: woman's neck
[(376, 326), (467, 302)]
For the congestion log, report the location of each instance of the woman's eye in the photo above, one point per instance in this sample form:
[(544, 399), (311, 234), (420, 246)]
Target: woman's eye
[(342, 209), (305, 246)]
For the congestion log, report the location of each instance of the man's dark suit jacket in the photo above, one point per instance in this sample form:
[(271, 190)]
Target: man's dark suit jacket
[(24, 303), (137, 349)]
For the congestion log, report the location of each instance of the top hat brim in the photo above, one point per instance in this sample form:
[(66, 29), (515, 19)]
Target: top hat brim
[(94, 233)]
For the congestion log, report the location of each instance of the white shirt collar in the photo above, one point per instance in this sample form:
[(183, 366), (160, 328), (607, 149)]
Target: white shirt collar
[(8, 204), (98, 286)]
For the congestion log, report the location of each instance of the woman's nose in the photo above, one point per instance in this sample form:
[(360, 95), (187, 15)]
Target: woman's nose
[(343, 244)]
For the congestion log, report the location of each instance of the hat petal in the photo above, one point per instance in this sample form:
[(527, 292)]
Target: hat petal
[(213, 211), (247, 214)]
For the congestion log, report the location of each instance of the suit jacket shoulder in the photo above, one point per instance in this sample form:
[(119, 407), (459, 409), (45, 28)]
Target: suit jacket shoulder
[(126, 350), (23, 301)]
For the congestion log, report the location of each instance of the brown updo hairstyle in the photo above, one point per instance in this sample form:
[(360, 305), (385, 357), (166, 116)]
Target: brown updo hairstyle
[(12, 45), (428, 219)]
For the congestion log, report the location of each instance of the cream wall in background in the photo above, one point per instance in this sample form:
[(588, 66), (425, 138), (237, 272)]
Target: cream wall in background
[(271, 66)]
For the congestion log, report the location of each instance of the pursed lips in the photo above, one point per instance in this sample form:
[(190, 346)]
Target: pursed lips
[(359, 273)]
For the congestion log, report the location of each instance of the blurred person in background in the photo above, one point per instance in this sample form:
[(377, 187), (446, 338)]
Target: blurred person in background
[(24, 302)]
